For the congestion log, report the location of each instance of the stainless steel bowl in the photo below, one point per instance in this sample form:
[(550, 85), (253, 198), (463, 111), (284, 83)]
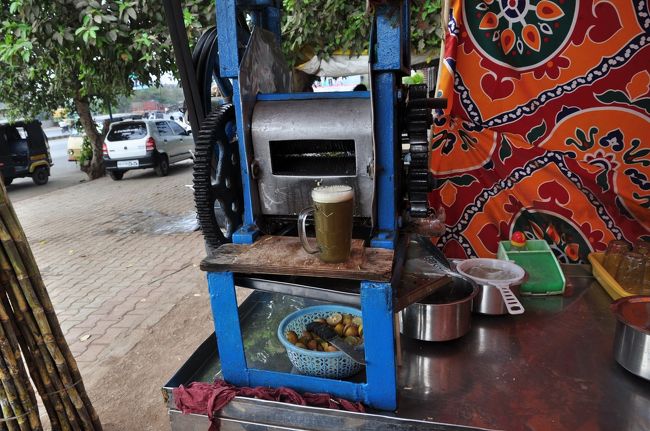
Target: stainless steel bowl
[(632, 337), (490, 301), (444, 315)]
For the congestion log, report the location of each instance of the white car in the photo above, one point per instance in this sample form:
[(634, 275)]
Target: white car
[(142, 144)]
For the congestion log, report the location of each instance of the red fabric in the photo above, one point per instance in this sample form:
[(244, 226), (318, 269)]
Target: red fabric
[(546, 132), (208, 398)]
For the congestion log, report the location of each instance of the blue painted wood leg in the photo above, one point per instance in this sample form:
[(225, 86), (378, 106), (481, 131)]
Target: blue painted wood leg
[(381, 375), (223, 300)]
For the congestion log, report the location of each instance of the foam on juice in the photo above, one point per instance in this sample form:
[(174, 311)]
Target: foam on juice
[(332, 194)]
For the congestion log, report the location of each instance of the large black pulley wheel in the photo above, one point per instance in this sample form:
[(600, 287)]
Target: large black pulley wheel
[(40, 175), (217, 177)]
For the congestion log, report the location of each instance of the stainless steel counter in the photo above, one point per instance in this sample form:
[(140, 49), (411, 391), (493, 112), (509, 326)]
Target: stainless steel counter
[(549, 369)]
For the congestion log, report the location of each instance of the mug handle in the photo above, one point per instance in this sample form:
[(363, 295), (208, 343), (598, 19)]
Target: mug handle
[(302, 234)]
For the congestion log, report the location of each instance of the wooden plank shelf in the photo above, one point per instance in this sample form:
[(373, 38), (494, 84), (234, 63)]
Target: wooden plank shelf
[(283, 255)]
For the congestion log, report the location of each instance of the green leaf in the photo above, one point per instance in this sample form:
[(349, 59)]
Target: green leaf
[(463, 180), (616, 96), (506, 150), (536, 132), (344, 25), (613, 96)]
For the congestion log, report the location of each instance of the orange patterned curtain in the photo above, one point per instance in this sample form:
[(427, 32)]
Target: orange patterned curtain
[(548, 129)]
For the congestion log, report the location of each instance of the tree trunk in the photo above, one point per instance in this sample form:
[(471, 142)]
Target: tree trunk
[(302, 81), (96, 168)]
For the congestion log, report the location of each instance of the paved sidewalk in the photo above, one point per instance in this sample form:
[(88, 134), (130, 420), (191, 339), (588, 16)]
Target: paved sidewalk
[(116, 256)]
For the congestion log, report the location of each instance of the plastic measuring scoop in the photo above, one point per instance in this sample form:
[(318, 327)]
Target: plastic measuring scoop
[(498, 273)]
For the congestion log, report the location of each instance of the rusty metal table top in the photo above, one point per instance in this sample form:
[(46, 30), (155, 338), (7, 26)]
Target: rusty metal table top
[(551, 368)]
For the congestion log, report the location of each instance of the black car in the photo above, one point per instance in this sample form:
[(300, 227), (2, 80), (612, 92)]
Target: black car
[(24, 152)]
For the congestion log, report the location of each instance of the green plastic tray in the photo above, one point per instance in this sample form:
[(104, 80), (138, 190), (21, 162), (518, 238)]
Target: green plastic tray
[(545, 276)]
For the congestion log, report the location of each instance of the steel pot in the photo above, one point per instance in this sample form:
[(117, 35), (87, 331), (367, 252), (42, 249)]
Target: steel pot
[(632, 337), (444, 315), (490, 301)]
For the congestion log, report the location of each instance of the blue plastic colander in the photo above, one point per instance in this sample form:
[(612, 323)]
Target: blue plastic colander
[(313, 363)]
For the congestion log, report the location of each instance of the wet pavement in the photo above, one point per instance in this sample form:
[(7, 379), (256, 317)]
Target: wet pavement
[(152, 222)]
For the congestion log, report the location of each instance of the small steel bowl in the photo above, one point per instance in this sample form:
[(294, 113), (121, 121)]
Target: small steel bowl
[(444, 315), (632, 337)]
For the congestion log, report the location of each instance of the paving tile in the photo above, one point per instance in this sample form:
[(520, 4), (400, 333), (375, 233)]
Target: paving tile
[(91, 354)]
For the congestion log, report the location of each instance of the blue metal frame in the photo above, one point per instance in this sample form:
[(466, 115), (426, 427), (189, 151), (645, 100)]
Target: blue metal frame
[(384, 90), (248, 232), (392, 38), (227, 39), (390, 54), (389, 48), (379, 390)]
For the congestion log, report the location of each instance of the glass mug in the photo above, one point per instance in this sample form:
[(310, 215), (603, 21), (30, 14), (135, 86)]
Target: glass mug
[(642, 247), (333, 209), (631, 271), (614, 254)]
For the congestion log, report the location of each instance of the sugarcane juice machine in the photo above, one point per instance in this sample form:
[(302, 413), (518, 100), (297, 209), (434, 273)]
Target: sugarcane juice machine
[(258, 157)]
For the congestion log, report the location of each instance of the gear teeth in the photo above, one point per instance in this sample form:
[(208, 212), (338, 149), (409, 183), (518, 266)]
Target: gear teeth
[(418, 121), (211, 141)]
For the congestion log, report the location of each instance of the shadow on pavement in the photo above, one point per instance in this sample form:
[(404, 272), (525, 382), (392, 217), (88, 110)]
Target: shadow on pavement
[(175, 169)]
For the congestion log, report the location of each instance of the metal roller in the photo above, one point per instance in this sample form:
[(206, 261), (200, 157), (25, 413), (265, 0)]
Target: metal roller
[(299, 144)]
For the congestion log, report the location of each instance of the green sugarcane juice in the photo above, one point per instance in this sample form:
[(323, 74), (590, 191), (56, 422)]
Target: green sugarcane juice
[(333, 209)]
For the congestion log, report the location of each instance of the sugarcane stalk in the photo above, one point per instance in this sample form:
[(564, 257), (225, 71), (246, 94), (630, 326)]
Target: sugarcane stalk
[(27, 266), (11, 351), (12, 397), (20, 304), (68, 414), (34, 360), (38, 299), (14, 344), (7, 413), (44, 327), (3, 424), (21, 382)]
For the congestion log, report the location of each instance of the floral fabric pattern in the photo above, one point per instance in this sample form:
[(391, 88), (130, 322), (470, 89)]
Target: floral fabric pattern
[(548, 125)]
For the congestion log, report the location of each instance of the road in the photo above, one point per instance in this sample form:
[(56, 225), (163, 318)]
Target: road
[(63, 174)]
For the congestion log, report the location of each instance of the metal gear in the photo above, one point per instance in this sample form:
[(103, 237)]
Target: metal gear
[(417, 123), (217, 177)]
